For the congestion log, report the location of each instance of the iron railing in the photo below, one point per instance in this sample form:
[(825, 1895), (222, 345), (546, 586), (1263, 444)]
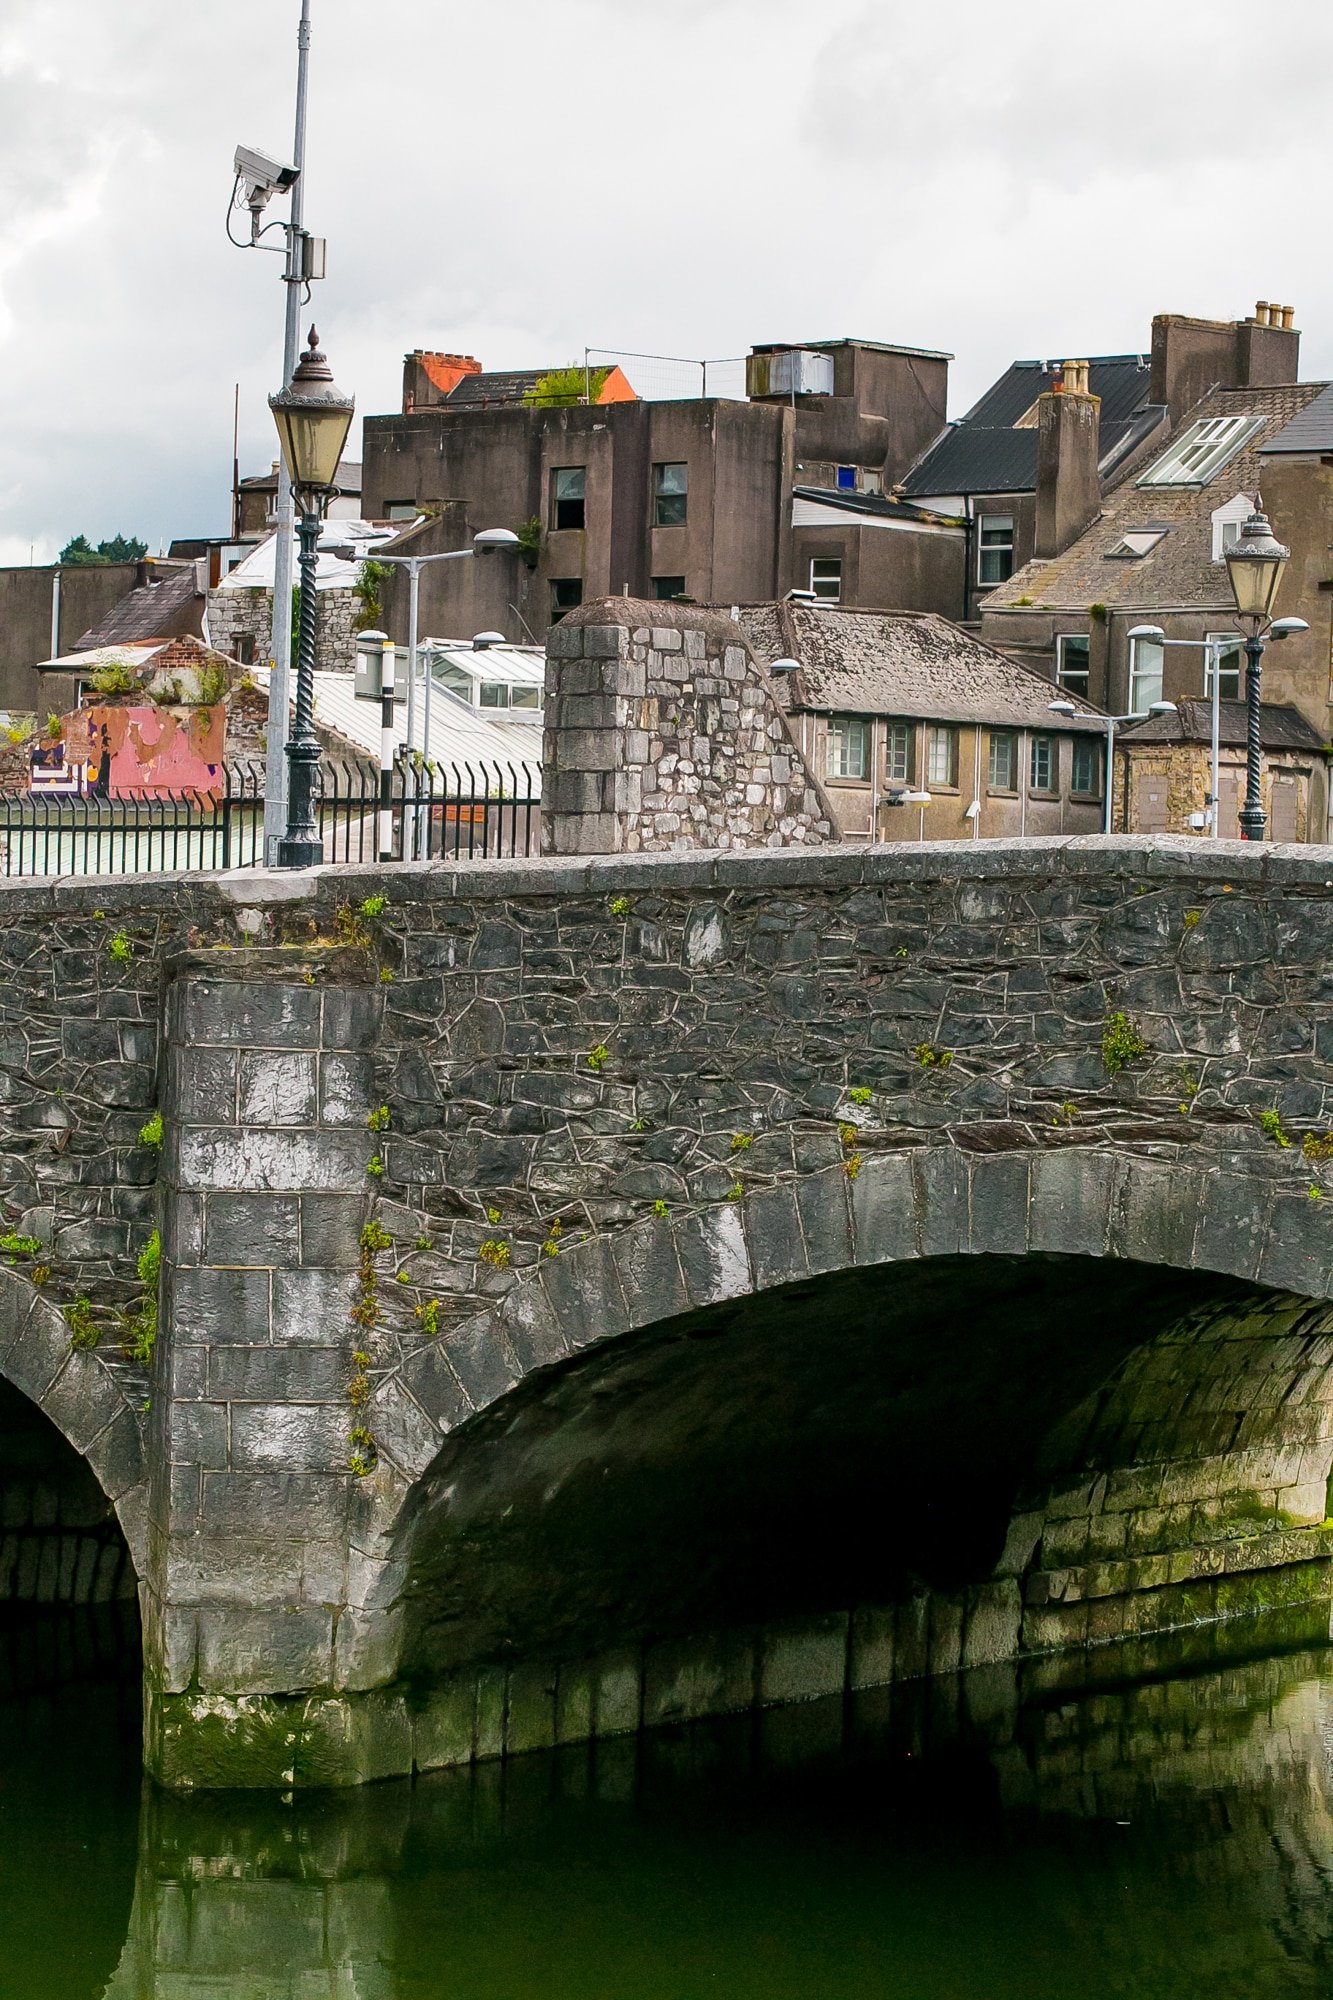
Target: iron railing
[(435, 812)]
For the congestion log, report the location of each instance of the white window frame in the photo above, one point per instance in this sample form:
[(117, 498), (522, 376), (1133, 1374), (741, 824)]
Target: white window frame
[(1083, 673), (1089, 746), (988, 524), (1138, 650), (1230, 640), (1226, 521), (994, 738), (1049, 746), (1201, 450), (827, 562), (942, 735), (843, 731)]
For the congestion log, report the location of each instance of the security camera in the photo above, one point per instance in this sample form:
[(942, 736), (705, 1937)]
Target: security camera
[(262, 176)]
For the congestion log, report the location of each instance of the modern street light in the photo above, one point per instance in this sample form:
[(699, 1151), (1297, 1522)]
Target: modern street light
[(1255, 562), (1212, 649), (1113, 722), (488, 542), (313, 418)]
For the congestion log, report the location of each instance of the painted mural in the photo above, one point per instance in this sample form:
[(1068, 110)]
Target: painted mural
[(133, 750)]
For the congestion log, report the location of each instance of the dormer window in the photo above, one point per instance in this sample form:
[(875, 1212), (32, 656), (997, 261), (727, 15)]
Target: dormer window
[(1201, 450), (1227, 522)]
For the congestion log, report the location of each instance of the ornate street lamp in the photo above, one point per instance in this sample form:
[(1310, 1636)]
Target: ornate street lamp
[(313, 418), (1255, 563)]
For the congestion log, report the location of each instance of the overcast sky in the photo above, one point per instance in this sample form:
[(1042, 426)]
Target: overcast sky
[(685, 176)]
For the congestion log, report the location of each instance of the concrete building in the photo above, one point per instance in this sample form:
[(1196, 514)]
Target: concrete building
[(44, 611), (918, 731), (711, 499)]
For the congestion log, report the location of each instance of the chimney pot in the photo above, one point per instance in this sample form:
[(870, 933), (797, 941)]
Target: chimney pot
[(1261, 311), (1288, 317)]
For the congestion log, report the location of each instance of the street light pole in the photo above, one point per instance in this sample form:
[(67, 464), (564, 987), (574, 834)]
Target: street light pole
[(280, 638), (1255, 563), (313, 418), (1064, 707)]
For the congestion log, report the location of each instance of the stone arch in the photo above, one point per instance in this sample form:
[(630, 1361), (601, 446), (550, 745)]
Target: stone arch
[(80, 1396), (907, 1206), (920, 1203)]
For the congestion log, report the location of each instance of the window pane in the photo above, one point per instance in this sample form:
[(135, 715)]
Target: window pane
[(1145, 674), (1043, 764), (568, 486), (1072, 655), (495, 694), (1000, 764), (939, 757), (826, 577), (898, 752), (671, 485), (995, 548), (566, 593), (1230, 661), (848, 747), (668, 586), (1087, 757)]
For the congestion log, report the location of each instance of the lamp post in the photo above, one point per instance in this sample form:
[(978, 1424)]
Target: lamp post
[(313, 418), (1255, 562)]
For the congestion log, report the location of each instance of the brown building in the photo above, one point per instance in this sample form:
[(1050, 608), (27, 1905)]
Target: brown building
[(919, 731), (1164, 772), (1154, 555), (670, 499)]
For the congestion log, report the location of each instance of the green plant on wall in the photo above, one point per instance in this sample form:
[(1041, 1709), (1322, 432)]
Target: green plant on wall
[(1122, 1043), (113, 677), (564, 388), (368, 590), (529, 534)]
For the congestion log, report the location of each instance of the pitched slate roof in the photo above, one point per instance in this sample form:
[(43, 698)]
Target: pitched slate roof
[(166, 608), (884, 506), (985, 452), (908, 663), (1311, 430), (1179, 569), (1280, 728)]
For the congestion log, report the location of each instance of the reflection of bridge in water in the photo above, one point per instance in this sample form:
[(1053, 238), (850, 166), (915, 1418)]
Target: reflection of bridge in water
[(1175, 1837)]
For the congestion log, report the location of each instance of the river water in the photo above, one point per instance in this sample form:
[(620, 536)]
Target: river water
[(966, 1840)]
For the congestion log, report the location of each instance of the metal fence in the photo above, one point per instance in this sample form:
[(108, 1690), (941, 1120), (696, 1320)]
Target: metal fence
[(434, 812)]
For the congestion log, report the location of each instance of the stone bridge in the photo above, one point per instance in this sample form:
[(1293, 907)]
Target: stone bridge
[(600, 1294)]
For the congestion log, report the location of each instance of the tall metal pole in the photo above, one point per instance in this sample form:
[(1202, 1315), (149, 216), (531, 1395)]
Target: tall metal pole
[(386, 751), (413, 610), (275, 771), (1108, 812), (300, 845), (1216, 802), (1253, 818)]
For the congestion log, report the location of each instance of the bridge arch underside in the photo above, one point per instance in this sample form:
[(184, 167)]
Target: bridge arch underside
[(870, 1476)]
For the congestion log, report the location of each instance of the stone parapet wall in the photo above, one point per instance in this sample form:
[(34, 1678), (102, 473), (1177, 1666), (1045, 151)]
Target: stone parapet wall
[(663, 733)]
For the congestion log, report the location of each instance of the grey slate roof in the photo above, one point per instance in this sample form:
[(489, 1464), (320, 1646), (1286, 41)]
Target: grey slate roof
[(1312, 430), (913, 664), (1180, 569), (168, 609), (495, 386), (984, 453), (1281, 728)]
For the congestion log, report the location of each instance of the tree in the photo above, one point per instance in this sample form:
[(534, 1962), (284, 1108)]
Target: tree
[(116, 549), (80, 550)]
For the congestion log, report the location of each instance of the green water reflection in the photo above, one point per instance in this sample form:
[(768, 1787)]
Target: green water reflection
[(1170, 1840)]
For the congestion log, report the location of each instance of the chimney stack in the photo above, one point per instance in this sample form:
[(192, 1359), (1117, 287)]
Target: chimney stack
[(1069, 492), (1192, 356)]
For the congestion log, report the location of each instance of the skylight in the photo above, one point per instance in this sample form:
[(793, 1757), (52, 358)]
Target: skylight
[(1200, 451), (1136, 542)]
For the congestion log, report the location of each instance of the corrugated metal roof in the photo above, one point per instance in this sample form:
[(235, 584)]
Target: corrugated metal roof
[(981, 458), (905, 663), (1312, 430), (332, 571), (517, 666), (1280, 728), (459, 734)]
